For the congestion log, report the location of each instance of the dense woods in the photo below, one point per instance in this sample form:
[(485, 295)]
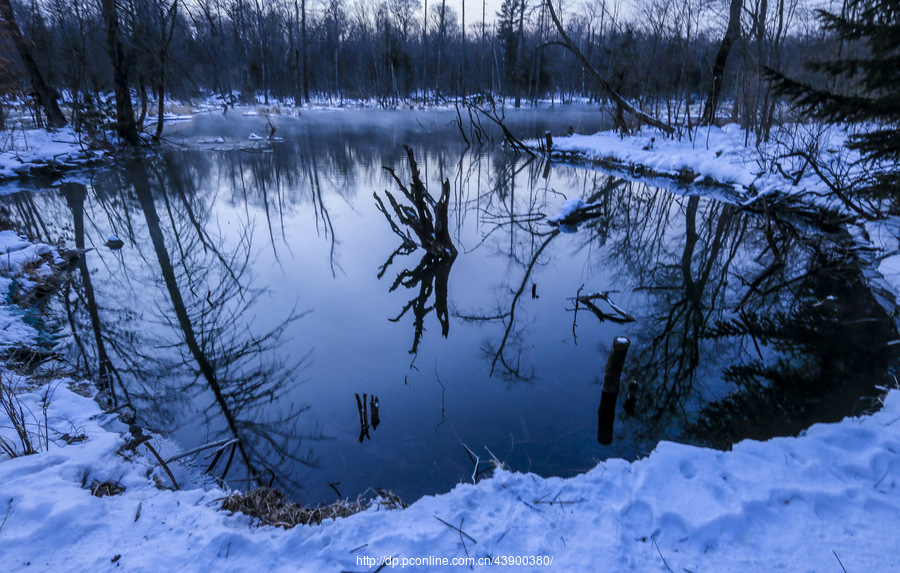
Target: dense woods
[(663, 55)]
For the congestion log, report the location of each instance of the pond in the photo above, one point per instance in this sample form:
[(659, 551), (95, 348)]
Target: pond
[(259, 302)]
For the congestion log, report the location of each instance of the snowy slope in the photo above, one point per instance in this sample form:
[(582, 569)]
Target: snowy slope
[(22, 151), (787, 504), (721, 157)]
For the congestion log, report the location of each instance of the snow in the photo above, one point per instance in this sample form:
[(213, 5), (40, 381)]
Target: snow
[(568, 207), (827, 500), (23, 150), (720, 157), (712, 157)]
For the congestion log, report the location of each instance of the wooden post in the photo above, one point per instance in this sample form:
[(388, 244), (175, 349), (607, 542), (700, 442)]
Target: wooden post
[(549, 138), (606, 415)]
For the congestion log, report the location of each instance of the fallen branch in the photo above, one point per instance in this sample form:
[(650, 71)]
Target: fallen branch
[(587, 301), (162, 463), (461, 532)]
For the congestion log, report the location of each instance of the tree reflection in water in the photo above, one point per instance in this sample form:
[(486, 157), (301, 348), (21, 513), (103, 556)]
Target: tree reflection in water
[(764, 299), (205, 311)]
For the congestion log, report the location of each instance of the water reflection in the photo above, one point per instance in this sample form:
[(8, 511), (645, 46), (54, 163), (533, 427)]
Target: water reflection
[(252, 297), (191, 345), (430, 276)]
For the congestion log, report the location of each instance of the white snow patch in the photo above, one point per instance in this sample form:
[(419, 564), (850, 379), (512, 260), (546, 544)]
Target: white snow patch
[(23, 150)]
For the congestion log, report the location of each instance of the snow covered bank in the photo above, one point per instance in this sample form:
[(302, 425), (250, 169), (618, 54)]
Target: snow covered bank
[(821, 502), (25, 151), (715, 156), (796, 504)]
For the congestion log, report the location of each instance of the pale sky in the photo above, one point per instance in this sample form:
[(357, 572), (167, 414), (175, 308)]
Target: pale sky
[(473, 9)]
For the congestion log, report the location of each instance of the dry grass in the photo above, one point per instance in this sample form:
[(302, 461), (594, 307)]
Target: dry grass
[(271, 507), (179, 109), (103, 489), (26, 441)]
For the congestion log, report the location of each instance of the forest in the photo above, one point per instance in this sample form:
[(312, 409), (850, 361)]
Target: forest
[(668, 57)]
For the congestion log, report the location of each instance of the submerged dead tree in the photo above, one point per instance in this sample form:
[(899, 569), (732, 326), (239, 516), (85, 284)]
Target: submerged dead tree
[(427, 218), (427, 221)]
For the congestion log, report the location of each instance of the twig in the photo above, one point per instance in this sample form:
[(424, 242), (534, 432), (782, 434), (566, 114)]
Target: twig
[(6, 515), (839, 560), (161, 461), (575, 317), (461, 532), (222, 444), (661, 555), (556, 500), (475, 461)]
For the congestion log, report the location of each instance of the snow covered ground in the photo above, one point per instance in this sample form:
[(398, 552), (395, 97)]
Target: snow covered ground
[(828, 500), (721, 157), (25, 150)]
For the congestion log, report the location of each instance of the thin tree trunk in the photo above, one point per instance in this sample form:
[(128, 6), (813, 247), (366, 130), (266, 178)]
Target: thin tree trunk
[(518, 71), (45, 94), (732, 31), (125, 124), (439, 71), (305, 46), (163, 60)]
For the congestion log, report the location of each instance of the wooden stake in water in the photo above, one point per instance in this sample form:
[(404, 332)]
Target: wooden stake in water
[(606, 415)]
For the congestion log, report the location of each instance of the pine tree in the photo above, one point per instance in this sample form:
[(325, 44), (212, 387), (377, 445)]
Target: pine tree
[(869, 83), (507, 21)]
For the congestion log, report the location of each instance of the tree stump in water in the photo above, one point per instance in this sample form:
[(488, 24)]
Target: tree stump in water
[(426, 218), (606, 414)]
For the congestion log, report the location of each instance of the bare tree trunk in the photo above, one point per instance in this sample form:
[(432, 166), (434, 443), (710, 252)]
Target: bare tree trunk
[(305, 46), (621, 103), (732, 31), (45, 94), (425, 52), (463, 66), (440, 53), (517, 83), (163, 60), (125, 124)]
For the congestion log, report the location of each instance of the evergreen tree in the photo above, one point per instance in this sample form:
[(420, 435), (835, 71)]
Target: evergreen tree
[(869, 81), (508, 34)]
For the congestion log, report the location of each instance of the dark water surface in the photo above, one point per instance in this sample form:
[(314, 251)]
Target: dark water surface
[(251, 301)]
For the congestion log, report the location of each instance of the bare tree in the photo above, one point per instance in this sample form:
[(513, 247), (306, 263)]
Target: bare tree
[(732, 32), (45, 94), (126, 127)]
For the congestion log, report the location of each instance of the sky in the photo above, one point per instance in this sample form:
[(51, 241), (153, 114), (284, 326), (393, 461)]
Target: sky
[(473, 8)]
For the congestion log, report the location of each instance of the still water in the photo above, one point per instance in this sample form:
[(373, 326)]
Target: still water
[(258, 300)]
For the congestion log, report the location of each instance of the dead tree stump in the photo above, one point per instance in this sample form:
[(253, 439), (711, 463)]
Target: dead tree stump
[(426, 218), (606, 415)]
